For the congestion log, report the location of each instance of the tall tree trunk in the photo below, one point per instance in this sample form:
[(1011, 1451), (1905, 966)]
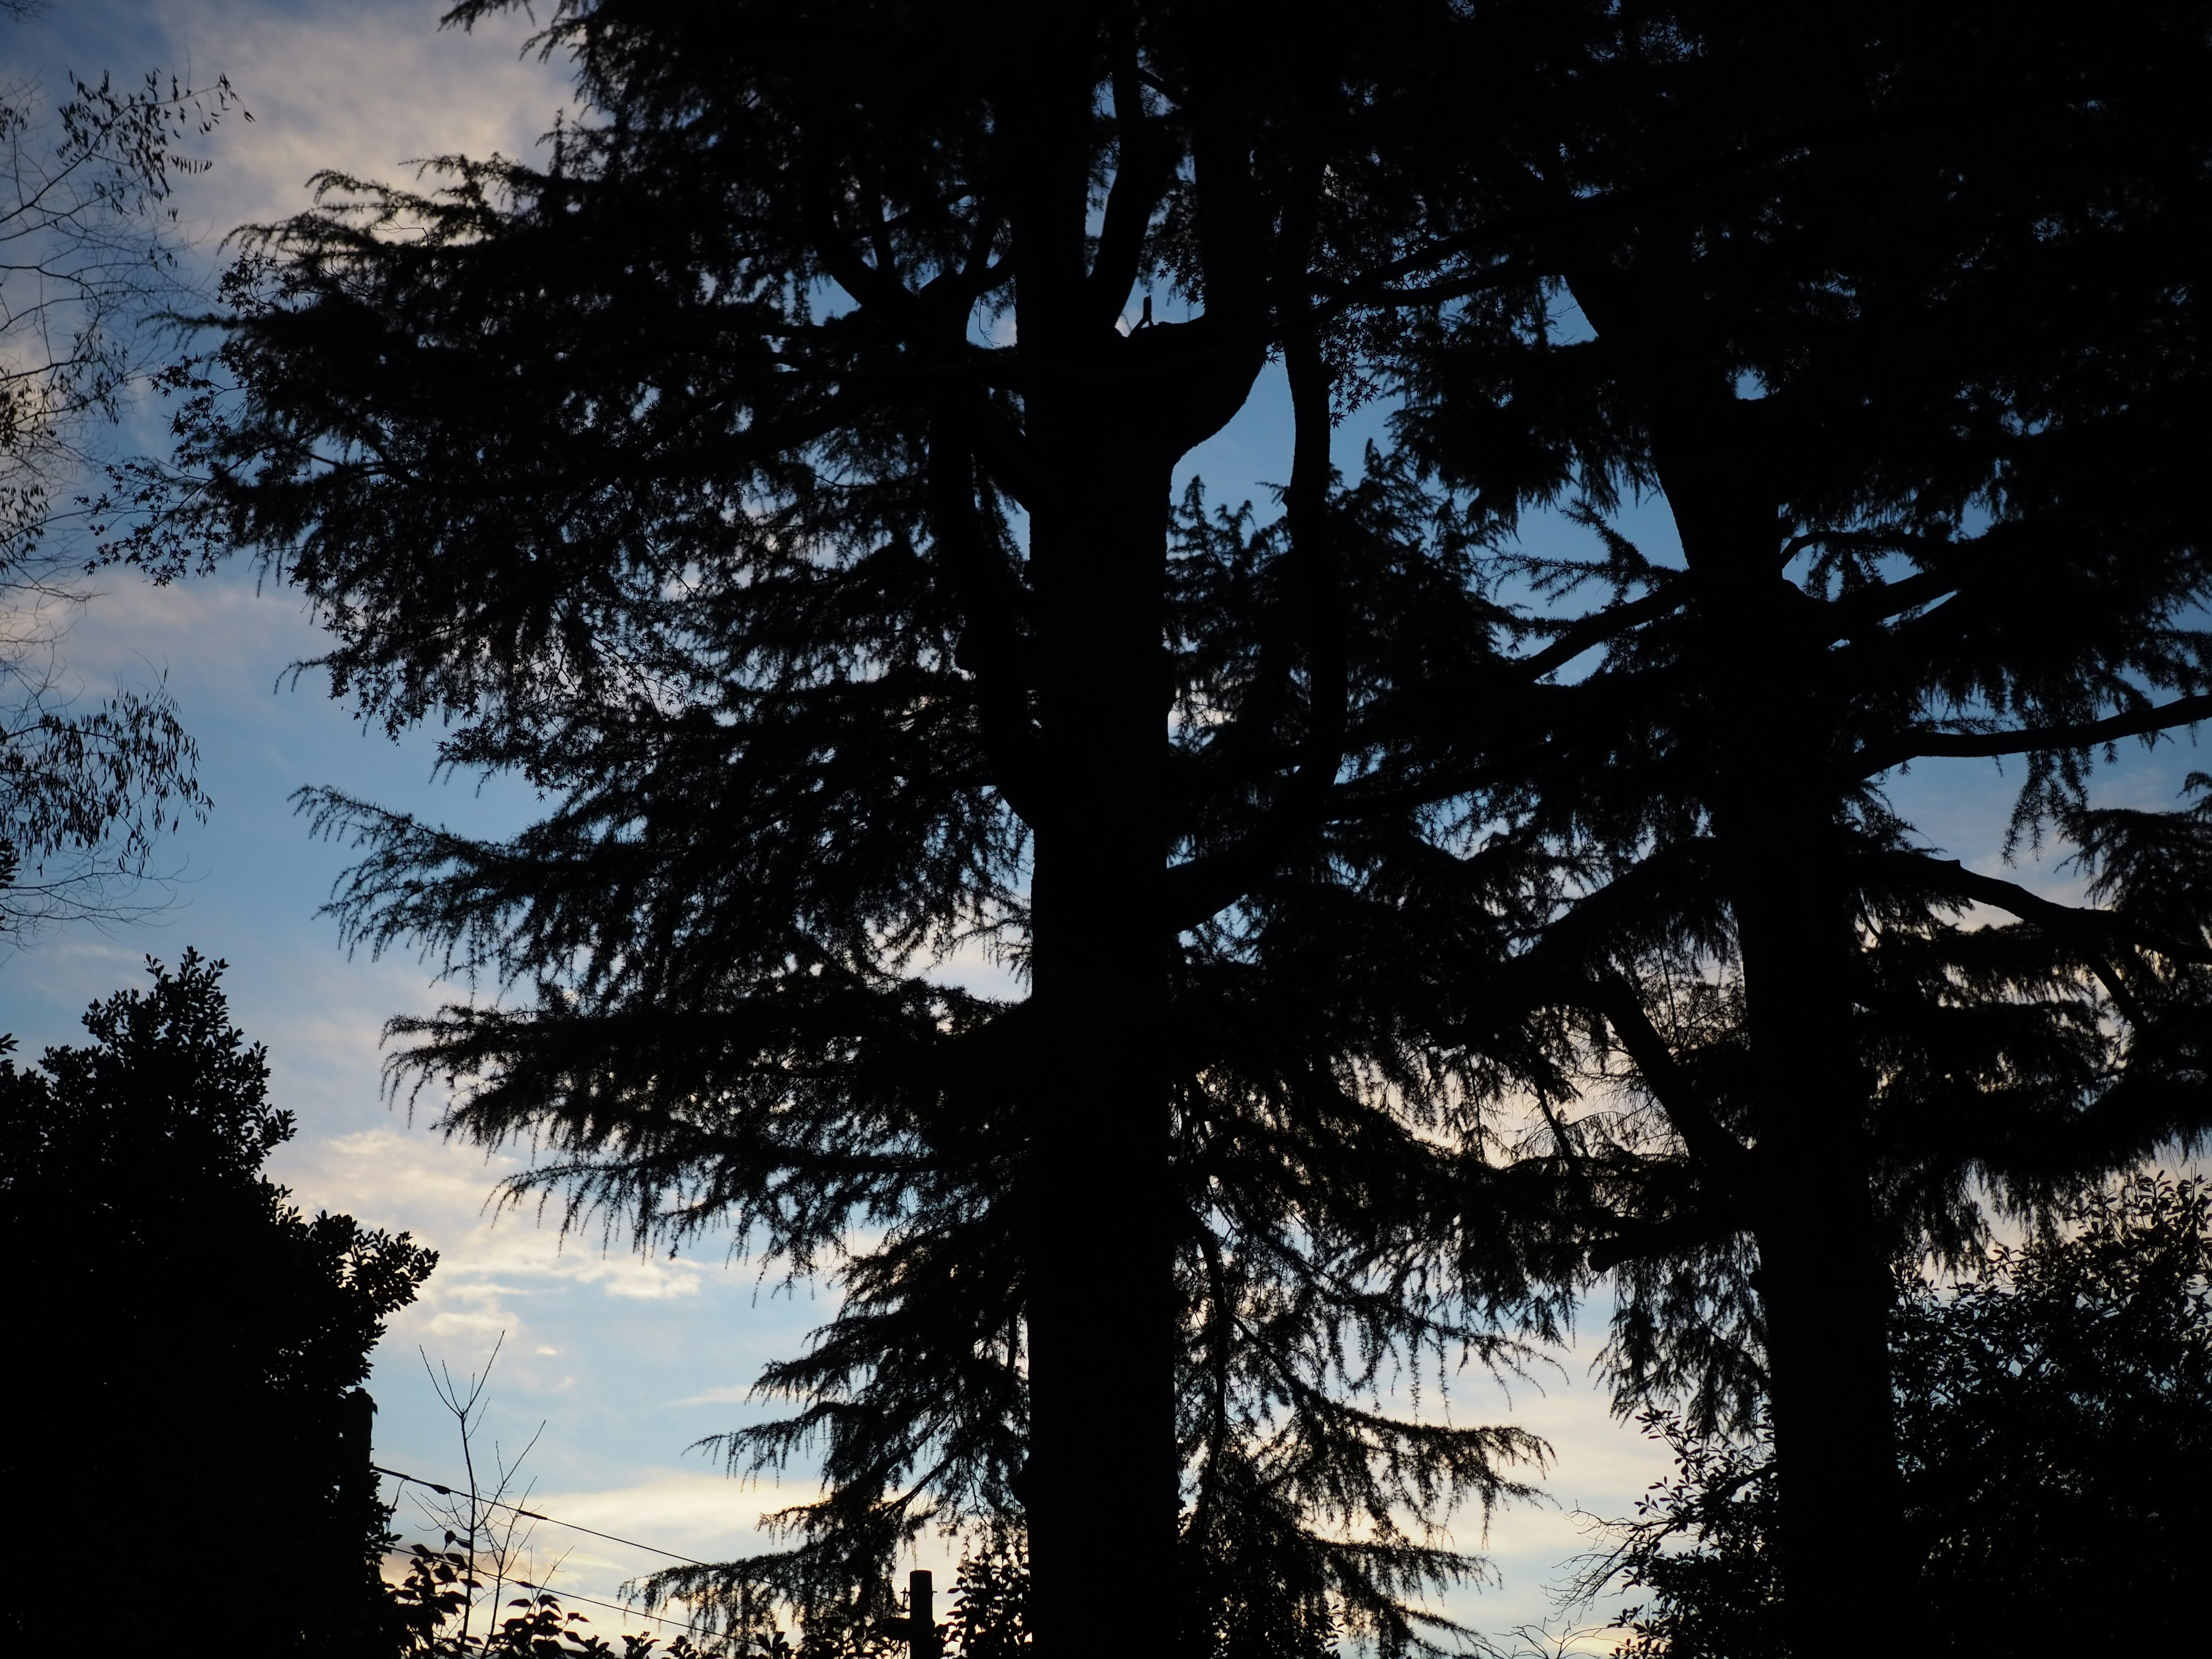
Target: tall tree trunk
[(1102, 1490), (1105, 423), (1820, 1274), (1780, 837), (1812, 1217)]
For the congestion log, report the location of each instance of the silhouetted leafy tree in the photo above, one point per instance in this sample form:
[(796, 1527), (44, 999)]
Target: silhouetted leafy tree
[(189, 1347), (990, 1597), (2055, 1417), (438, 1585), (780, 480), (1700, 1549)]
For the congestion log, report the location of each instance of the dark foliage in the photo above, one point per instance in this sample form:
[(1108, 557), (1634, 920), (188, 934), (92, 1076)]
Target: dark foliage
[(2054, 1411), (189, 1347), (1898, 309), (438, 1582), (990, 1599)]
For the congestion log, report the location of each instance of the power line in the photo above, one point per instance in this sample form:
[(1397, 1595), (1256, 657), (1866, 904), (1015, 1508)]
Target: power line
[(573, 1526)]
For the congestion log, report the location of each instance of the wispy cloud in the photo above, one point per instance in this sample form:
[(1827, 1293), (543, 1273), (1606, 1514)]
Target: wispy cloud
[(733, 1393)]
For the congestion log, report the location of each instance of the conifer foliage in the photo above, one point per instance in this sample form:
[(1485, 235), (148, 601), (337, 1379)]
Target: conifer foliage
[(1898, 308), (780, 479)]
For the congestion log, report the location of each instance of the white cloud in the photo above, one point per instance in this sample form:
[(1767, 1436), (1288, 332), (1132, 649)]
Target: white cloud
[(332, 84), (731, 1394)]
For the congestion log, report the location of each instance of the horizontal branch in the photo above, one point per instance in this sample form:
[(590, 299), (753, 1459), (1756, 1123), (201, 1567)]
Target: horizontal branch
[(1634, 1240), (1928, 743), (2094, 927)]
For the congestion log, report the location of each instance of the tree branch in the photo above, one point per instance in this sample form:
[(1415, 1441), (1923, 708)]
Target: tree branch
[(2099, 925), (1146, 162), (1636, 1239), (1711, 1145), (1592, 630), (1206, 885), (1926, 742)]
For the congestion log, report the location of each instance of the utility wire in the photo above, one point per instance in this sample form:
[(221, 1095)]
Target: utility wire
[(573, 1526)]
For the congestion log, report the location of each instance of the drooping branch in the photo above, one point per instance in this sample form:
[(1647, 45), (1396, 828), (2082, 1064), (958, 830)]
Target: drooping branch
[(2092, 930), (2015, 900)]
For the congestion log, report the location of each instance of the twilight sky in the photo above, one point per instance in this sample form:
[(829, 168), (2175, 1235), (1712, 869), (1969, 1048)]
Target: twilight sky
[(625, 1360)]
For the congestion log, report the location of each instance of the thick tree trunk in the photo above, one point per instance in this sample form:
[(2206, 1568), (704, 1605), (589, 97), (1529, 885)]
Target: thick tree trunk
[(1820, 1274), (1103, 421), (1101, 1491)]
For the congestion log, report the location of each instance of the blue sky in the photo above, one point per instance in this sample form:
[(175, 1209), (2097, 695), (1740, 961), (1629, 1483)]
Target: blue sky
[(625, 1360)]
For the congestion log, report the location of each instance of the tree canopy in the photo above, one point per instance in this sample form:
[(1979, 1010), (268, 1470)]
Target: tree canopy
[(184, 1329), (780, 479)]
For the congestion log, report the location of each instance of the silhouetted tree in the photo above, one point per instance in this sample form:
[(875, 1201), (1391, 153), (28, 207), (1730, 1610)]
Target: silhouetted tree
[(188, 1348), (2054, 1418), (990, 1598), (780, 480), (1898, 309)]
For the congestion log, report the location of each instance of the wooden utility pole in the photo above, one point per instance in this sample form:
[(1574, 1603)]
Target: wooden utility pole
[(919, 1627)]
